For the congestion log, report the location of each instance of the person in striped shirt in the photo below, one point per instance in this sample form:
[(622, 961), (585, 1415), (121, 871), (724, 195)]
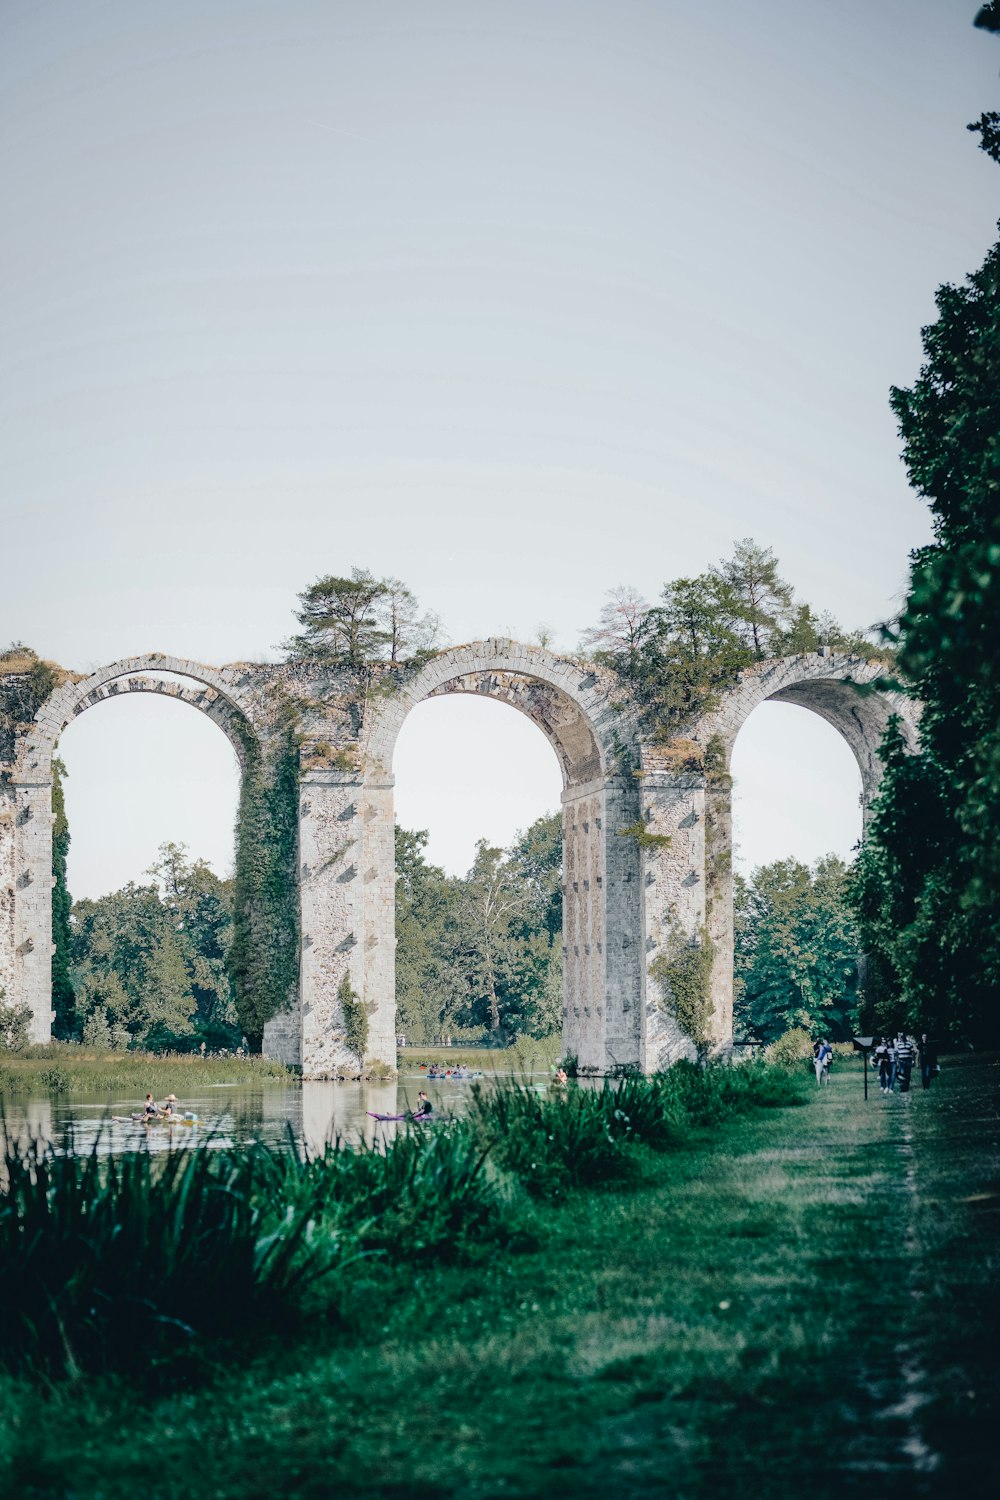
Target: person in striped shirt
[(906, 1054)]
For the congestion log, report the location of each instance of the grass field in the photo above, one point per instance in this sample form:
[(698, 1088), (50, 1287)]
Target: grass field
[(796, 1303)]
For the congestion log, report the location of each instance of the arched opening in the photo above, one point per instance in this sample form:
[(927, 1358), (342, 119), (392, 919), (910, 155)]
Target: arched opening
[(478, 873), (799, 786), (147, 790), (143, 771), (796, 789), (468, 768)]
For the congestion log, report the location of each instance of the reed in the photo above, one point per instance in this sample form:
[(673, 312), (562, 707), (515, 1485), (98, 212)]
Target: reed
[(118, 1261), (576, 1137)]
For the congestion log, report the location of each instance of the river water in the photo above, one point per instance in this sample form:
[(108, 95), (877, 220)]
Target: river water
[(310, 1114)]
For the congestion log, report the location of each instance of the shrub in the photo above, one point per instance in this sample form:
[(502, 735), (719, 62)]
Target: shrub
[(15, 1025), (790, 1048)]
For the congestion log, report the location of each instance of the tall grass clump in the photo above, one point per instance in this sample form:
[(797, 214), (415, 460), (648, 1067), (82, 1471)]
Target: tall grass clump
[(429, 1194), (553, 1142), (557, 1140), (122, 1260)]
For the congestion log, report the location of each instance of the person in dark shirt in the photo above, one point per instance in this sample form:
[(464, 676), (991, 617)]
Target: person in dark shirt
[(424, 1107), (149, 1109)]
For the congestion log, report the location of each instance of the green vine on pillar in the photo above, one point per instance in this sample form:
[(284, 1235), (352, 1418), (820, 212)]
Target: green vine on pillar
[(684, 973), (264, 956), (63, 994)]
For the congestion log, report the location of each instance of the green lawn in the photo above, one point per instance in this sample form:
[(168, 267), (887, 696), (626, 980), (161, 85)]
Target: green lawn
[(799, 1303)]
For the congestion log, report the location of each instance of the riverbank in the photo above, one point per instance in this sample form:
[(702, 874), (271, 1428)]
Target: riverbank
[(527, 1055), (64, 1067), (791, 1302)]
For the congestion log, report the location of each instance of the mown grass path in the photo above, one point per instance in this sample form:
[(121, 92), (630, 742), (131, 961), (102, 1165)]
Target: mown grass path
[(801, 1303)]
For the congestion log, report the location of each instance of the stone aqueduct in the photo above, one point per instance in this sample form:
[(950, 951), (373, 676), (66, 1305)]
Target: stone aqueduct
[(627, 897)]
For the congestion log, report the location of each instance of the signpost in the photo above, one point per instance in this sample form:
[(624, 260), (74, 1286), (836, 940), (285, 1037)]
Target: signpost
[(864, 1044)]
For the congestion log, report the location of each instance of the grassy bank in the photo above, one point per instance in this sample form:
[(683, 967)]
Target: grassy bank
[(526, 1056), (64, 1068), (786, 1302)]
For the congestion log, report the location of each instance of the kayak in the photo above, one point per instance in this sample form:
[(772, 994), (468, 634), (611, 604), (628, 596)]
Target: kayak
[(143, 1119), (417, 1119)]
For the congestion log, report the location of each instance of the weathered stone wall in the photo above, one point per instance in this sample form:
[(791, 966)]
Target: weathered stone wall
[(8, 876)]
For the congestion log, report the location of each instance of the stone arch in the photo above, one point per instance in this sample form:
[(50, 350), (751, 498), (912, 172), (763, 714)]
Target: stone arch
[(841, 689), (214, 692), (690, 888), (347, 833), (569, 703)]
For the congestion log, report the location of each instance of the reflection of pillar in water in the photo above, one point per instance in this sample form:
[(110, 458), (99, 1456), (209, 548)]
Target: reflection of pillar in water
[(38, 1119), (319, 1103), (340, 1110)]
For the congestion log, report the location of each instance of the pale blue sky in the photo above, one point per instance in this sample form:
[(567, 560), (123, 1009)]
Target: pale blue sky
[(517, 301)]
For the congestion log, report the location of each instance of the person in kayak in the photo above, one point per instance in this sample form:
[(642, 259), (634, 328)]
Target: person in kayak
[(149, 1109), (169, 1106), (424, 1107)]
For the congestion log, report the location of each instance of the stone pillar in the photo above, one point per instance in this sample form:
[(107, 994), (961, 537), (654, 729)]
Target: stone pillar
[(32, 901), (671, 840), (601, 938), (378, 889), (8, 877), (624, 959), (584, 872), (719, 905), (331, 917)]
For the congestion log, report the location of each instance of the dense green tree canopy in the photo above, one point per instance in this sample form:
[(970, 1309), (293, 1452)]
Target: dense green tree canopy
[(928, 879), (149, 961), (481, 952), (796, 951)]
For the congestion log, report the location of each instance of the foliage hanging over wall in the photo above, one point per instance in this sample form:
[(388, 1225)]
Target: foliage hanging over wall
[(684, 973), (25, 683), (355, 1019), (680, 655), (264, 957)]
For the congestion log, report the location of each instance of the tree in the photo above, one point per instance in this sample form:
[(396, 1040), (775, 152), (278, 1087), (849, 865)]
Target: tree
[(340, 620), (128, 965), (149, 961), (621, 627), (408, 633), (757, 602), (349, 622), (796, 950), (201, 908), (424, 895), (679, 655), (928, 879)]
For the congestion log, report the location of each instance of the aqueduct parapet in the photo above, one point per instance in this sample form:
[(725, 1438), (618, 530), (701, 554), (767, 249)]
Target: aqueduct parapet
[(647, 828)]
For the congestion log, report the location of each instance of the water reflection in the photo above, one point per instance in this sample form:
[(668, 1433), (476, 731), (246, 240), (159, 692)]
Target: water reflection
[(308, 1115)]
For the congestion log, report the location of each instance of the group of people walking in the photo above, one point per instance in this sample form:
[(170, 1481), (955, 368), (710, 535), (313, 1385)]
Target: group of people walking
[(895, 1057)]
